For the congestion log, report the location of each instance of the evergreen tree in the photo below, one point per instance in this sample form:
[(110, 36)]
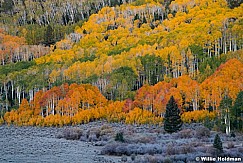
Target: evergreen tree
[(237, 112), (208, 123), (7, 6), (119, 137), (49, 36), (218, 143), (172, 119)]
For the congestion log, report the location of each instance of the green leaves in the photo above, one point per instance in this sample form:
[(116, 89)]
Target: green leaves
[(154, 69), (122, 81), (9, 68)]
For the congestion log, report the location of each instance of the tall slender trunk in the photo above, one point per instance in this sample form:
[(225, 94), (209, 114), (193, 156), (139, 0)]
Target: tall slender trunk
[(6, 95)]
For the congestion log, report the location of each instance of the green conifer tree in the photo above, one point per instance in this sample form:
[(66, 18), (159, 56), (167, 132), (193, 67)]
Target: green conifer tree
[(7, 6), (218, 143), (237, 112), (49, 36), (172, 119)]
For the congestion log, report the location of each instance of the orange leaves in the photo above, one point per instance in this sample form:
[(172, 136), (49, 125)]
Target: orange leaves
[(227, 80), (21, 116), (24, 106), (66, 100), (77, 104), (184, 89), (10, 117), (8, 45)]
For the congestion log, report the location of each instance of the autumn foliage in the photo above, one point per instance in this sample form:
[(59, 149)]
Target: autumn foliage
[(77, 104), (124, 63)]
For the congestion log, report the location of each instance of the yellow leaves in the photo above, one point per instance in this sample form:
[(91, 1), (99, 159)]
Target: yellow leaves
[(139, 116), (21, 116), (1, 121), (58, 56), (112, 113), (56, 120), (80, 71), (64, 44), (197, 116), (11, 117), (53, 76), (184, 44)]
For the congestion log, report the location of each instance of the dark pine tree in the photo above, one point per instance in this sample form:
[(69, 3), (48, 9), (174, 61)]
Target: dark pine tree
[(237, 112), (7, 6), (49, 36), (218, 143), (172, 119)]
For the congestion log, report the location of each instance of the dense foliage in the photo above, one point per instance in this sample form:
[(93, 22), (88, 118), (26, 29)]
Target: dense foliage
[(123, 63)]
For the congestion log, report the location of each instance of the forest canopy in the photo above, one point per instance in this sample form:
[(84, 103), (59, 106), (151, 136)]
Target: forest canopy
[(119, 60)]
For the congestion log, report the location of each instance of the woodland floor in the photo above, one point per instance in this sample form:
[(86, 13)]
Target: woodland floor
[(97, 144)]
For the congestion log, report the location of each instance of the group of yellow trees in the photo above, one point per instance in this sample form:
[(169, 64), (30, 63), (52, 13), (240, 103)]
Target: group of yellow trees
[(77, 104), (115, 37)]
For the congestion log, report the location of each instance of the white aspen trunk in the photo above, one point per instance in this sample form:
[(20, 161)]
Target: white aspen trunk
[(235, 45), (52, 106), (31, 94), (42, 114), (208, 52), (205, 104), (23, 94), (216, 48), (221, 43), (225, 47), (227, 123), (12, 88), (47, 110), (18, 95), (230, 45), (193, 105), (6, 95)]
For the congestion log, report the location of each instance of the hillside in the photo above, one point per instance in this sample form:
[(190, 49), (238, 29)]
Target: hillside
[(123, 64)]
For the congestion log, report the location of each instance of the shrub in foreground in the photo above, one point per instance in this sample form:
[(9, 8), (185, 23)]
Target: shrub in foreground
[(71, 134), (202, 132), (119, 149)]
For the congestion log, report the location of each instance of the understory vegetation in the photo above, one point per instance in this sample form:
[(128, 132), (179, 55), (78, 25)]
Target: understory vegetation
[(145, 143)]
